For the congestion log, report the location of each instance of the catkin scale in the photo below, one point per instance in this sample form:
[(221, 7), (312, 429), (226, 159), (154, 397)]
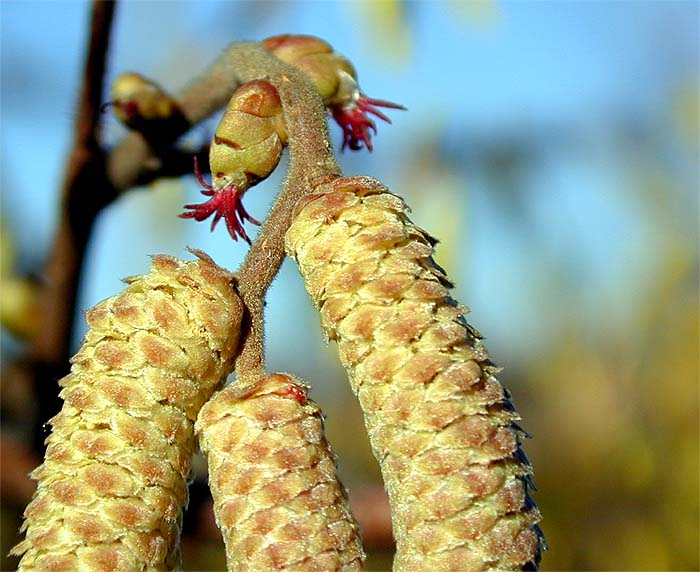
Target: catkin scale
[(440, 424), (114, 479), (272, 475)]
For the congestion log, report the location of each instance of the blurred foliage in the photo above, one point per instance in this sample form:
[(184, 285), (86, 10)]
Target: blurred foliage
[(687, 112), (386, 25), (390, 26), (18, 295), (615, 419)]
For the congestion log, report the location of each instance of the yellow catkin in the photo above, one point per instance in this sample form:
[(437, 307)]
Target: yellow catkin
[(114, 480), (272, 475), (441, 426)]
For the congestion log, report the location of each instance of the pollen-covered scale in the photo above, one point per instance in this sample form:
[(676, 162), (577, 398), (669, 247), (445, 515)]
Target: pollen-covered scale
[(272, 475), (246, 148), (335, 79), (440, 424), (113, 483)]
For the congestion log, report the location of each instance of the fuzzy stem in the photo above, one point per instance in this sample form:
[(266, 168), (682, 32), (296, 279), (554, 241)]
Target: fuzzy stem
[(311, 163)]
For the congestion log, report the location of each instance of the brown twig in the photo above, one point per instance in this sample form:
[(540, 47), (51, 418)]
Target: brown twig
[(134, 161), (83, 170), (85, 190)]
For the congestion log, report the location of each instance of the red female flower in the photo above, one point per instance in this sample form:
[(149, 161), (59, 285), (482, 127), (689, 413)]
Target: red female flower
[(350, 108), (225, 203), (354, 121)]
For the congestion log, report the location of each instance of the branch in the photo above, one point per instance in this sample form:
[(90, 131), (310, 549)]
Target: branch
[(84, 190), (133, 161)]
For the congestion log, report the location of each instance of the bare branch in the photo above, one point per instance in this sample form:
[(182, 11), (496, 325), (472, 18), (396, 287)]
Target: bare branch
[(84, 191)]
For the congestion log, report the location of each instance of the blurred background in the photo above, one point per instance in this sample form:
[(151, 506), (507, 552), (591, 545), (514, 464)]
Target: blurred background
[(551, 147)]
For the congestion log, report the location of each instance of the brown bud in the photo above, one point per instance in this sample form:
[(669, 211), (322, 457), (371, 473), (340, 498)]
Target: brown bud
[(441, 426), (249, 139), (316, 59), (272, 475), (114, 479), (144, 106)]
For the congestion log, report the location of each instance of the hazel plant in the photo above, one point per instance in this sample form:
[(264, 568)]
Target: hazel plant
[(143, 386)]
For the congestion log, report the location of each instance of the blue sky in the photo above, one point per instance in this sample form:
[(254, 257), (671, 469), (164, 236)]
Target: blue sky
[(572, 77)]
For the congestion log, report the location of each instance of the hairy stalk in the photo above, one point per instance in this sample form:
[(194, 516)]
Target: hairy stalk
[(272, 475), (311, 163), (93, 181), (441, 426), (114, 479)]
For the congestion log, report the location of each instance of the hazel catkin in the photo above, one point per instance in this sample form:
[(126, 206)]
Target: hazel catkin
[(272, 475), (441, 426), (114, 479)]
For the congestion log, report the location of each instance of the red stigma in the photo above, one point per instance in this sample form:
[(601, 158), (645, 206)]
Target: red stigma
[(224, 203), (295, 392), (355, 123)]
